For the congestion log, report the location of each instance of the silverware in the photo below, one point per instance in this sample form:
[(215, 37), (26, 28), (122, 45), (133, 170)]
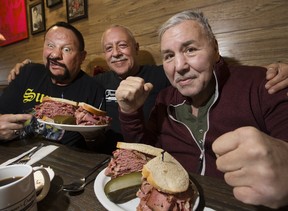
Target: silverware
[(25, 158), (81, 183)]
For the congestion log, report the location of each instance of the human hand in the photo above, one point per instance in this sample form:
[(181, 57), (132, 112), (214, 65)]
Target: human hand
[(16, 70), (277, 76), (12, 124), (132, 93), (255, 165)]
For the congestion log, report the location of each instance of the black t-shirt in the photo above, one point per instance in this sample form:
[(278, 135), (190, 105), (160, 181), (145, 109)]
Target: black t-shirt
[(34, 82), (110, 81)]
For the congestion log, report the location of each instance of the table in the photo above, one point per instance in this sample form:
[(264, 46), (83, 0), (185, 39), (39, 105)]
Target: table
[(70, 164)]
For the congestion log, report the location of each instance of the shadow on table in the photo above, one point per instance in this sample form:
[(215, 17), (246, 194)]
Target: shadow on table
[(55, 197)]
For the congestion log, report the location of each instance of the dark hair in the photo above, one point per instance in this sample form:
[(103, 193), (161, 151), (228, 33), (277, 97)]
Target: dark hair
[(73, 29)]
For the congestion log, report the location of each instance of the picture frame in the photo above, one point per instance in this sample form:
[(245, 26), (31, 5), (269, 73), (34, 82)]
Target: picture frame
[(76, 10), (13, 21), (52, 3), (37, 17)]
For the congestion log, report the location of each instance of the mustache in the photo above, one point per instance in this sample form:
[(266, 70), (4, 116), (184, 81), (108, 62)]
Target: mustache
[(55, 61), (118, 59)]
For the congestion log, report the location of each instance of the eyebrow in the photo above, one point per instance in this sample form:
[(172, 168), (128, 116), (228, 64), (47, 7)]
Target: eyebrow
[(183, 45)]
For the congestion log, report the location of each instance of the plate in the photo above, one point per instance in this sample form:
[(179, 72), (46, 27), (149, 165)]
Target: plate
[(39, 179), (75, 128), (131, 205)]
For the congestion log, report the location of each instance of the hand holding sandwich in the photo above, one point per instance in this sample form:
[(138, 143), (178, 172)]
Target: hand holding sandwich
[(255, 164), (11, 124), (132, 93)]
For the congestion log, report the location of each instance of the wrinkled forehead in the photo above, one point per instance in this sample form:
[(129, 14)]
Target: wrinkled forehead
[(115, 35), (63, 35)]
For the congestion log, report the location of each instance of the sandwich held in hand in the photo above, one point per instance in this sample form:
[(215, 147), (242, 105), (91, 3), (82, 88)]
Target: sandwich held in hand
[(64, 111)]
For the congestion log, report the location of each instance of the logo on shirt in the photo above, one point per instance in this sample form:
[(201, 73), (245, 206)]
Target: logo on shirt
[(29, 96), (110, 95)]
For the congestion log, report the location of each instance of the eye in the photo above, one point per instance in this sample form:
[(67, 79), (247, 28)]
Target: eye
[(66, 50), (190, 50), (49, 45), (108, 48), (168, 57), (123, 45)]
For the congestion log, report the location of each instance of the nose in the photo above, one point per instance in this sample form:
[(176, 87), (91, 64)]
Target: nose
[(180, 62), (116, 51), (56, 54)]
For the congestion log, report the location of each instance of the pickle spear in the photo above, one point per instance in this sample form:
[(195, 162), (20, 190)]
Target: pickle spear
[(64, 119), (123, 188)]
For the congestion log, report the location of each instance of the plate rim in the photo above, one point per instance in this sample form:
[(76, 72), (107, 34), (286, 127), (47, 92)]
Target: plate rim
[(72, 127)]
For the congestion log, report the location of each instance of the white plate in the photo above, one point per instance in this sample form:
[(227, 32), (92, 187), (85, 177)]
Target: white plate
[(131, 205), (76, 128), (39, 179)]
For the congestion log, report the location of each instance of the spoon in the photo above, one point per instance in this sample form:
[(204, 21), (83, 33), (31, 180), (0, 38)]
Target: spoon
[(81, 183)]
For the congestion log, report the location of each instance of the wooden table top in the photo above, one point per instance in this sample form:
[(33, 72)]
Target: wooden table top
[(71, 164)]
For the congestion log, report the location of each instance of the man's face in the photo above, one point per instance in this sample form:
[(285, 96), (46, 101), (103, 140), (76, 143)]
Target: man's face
[(61, 55), (188, 57), (120, 51)]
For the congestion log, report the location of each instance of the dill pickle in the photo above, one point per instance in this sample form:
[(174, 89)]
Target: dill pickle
[(123, 188), (64, 119)]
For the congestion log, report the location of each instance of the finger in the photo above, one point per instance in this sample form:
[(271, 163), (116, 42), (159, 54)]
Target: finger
[(277, 87), (148, 87), (232, 161), (225, 143), (247, 195), (272, 71), (19, 118)]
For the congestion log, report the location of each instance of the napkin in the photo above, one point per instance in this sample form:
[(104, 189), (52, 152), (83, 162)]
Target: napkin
[(41, 153)]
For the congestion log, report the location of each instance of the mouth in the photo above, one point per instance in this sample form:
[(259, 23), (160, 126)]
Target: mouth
[(185, 81), (118, 61), (55, 64)]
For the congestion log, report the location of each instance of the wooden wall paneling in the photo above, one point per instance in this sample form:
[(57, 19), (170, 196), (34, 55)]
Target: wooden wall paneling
[(248, 31)]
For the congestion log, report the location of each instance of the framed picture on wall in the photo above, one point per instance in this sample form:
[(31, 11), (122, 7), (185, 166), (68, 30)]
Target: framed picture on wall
[(13, 21), (37, 17), (76, 10), (52, 3)]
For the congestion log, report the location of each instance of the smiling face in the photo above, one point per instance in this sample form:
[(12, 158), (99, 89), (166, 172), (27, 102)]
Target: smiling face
[(61, 55), (120, 51), (188, 58)]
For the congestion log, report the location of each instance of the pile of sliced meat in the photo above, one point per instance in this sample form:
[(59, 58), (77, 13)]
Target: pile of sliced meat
[(83, 117), (53, 108), (152, 199), (126, 161)]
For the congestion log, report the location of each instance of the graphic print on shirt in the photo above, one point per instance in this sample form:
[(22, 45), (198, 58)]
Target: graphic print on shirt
[(110, 95), (29, 96)]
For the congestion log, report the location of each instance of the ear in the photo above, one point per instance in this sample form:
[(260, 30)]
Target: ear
[(83, 55), (137, 48), (216, 48)]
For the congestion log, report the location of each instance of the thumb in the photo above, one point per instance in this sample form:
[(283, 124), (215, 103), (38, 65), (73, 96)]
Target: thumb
[(148, 87)]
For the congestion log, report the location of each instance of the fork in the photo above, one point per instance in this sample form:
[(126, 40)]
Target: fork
[(27, 157)]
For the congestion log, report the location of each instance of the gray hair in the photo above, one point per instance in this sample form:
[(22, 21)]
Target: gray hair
[(128, 31), (187, 15)]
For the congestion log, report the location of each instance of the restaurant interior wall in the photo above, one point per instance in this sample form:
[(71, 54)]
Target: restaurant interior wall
[(249, 32)]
